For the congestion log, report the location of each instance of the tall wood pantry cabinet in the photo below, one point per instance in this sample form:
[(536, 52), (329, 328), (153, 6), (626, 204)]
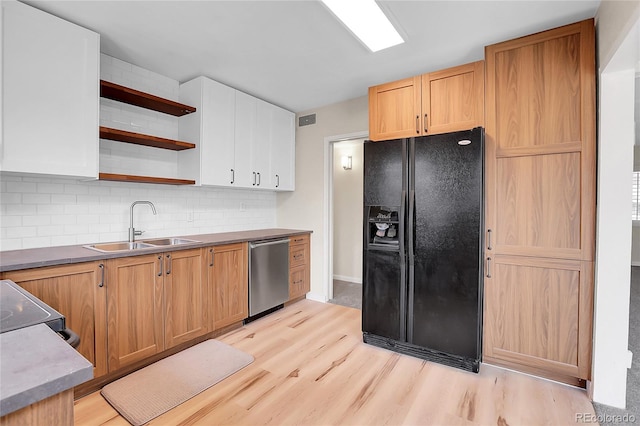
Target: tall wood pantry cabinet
[(540, 202), (438, 102)]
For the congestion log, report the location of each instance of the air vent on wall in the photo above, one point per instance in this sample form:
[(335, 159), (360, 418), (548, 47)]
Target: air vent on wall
[(306, 120)]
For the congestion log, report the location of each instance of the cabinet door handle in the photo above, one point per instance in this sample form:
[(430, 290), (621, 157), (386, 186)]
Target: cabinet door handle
[(277, 181), (254, 178), (168, 264), (101, 283), (258, 178), (417, 124), (488, 267), (233, 176), (160, 260), (211, 258), (425, 123), (489, 239)]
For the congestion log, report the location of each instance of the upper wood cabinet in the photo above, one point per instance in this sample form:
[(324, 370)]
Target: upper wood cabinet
[(77, 292), (540, 148), (438, 102), (241, 141), (50, 86)]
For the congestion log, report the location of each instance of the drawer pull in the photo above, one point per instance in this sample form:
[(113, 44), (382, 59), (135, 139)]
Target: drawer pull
[(298, 256)]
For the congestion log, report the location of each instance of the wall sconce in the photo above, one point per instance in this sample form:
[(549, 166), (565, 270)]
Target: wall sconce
[(346, 162)]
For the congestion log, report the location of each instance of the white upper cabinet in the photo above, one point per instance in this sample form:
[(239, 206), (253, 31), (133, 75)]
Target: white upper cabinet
[(212, 129), (241, 141), (50, 94), (246, 131), (282, 141)]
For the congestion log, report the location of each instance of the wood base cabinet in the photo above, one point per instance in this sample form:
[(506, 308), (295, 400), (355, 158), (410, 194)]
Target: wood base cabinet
[(299, 266), (185, 296), (77, 292), (540, 202), (228, 284), (134, 308), (438, 102), (154, 302)]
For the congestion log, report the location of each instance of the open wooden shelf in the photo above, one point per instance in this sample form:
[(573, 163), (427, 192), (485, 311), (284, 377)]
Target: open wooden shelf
[(144, 179), (146, 140), (129, 96)]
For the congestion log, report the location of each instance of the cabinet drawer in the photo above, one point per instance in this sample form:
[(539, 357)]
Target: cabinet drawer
[(298, 255), (299, 239), (298, 282)]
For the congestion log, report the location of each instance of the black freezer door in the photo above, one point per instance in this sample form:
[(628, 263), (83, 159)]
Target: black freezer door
[(446, 187), (384, 267)]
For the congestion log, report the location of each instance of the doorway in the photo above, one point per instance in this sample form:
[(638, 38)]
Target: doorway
[(346, 202)]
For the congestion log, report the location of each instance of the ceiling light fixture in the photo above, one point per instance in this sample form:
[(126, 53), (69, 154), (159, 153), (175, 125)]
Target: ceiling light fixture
[(366, 21)]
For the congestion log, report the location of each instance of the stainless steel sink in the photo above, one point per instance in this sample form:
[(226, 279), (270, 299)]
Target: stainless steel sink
[(111, 247), (137, 245), (169, 241)]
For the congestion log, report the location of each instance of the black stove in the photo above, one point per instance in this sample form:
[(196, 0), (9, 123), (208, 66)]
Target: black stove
[(19, 309)]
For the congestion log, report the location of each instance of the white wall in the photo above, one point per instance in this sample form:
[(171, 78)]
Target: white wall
[(39, 211), (618, 31), (347, 211), (305, 207)]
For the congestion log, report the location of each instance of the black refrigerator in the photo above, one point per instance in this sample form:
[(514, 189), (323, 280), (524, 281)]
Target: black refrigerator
[(422, 258)]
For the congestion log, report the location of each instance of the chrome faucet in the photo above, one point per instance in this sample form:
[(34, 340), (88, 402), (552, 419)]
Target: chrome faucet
[(132, 231)]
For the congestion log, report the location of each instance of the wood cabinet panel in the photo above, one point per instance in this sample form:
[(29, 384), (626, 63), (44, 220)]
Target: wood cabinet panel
[(228, 285), (185, 296), (394, 109), (75, 292), (453, 99), (134, 309), (299, 266), (535, 109), (298, 282), (540, 202), (538, 313)]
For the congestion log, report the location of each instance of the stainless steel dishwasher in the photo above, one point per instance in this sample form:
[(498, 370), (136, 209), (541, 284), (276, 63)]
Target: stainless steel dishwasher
[(268, 275)]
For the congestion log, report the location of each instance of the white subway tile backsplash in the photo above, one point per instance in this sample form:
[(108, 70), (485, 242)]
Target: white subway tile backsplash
[(21, 187)]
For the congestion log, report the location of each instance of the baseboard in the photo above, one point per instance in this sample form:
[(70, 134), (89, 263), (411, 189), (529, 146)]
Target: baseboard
[(355, 280), (317, 297)]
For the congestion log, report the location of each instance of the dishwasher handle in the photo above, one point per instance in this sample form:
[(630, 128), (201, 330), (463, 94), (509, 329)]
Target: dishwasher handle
[(255, 244)]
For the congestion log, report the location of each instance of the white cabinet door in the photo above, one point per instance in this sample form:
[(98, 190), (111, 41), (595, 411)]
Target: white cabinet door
[(245, 132), (50, 86), (218, 130), (261, 146), (283, 147)]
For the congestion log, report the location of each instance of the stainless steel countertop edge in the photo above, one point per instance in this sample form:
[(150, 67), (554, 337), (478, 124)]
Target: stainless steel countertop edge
[(15, 260)]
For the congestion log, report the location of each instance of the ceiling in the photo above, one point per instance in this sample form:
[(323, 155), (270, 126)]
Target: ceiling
[(295, 54)]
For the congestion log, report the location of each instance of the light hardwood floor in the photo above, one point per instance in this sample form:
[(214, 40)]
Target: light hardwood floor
[(311, 367)]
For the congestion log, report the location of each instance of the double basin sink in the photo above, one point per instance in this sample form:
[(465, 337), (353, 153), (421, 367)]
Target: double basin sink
[(139, 245)]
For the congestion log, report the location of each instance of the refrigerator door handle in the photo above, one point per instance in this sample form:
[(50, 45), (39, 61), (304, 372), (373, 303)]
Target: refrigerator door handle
[(411, 280)]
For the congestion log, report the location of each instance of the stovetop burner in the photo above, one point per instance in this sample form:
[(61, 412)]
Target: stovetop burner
[(19, 309)]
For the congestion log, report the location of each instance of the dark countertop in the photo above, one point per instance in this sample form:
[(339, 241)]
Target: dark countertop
[(36, 364), (14, 260)]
